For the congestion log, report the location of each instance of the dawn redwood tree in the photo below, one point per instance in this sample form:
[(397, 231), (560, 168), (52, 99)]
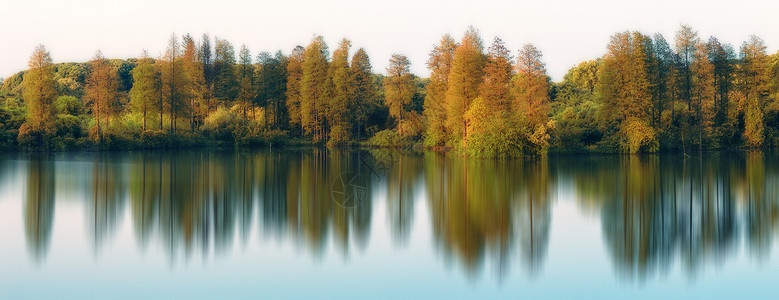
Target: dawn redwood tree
[(465, 77), (101, 90), (398, 88), (439, 63), (144, 90)]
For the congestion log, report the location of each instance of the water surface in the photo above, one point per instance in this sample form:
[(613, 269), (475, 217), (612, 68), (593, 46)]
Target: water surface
[(296, 223)]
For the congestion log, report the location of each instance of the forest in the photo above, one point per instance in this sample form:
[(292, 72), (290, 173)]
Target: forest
[(643, 95)]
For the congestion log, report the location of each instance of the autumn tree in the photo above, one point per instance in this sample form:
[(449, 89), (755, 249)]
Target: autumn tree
[(196, 86), (39, 92), (624, 92), (144, 90), (465, 77), (498, 72), (398, 88), (101, 91), (340, 99), (176, 85), (531, 86), (313, 88), (294, 76), (439, 63), (363, 91)]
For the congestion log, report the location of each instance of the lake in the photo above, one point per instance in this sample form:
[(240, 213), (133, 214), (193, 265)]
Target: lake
[(302, 223)]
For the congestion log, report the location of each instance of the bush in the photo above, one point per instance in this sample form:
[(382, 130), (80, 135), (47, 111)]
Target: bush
[(68, 126), (390, 138), (34, 137)]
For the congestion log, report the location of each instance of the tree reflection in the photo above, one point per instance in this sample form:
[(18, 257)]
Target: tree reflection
[(39, 205), (654, 211)]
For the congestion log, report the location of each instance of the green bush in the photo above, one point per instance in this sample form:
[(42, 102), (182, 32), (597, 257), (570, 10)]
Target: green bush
[(390, 138)]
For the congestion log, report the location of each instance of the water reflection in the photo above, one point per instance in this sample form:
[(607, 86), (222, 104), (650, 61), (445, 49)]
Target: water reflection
[(654, 211)]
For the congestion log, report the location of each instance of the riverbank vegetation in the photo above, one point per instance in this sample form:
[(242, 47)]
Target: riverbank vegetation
[(642, 95)]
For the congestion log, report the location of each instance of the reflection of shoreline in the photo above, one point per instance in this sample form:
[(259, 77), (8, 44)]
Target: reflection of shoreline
[(654, 211)]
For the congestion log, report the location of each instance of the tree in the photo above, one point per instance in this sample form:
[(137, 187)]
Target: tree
[(313, 89), (246, 91), (531, 86), (340, 99), (206, 61), (144, 87), (176, 85), (754, 88), (498, 72), (363, 90), (225, 80), (294, 77), (398, 88), (465, 76), (40, 91), (272, 86), (101, 90), (624, 93), (439, 64), (196, 89)]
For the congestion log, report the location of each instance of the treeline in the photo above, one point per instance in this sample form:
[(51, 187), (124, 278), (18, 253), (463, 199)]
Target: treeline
[(641, 96)]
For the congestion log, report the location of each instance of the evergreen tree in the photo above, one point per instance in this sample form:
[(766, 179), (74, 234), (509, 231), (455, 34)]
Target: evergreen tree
[(294, 77), (272, 86), (246, 92), (225, 80), (754, 89), (363, 89)]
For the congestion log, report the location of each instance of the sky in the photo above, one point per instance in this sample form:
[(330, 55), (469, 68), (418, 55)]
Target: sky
[(566, 31)]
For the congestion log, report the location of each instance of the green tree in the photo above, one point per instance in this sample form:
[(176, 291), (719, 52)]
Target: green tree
[(101, 91), (294, 77), (144, 90), (754, 82), (363, 89), (272, 86), (225, 80), (246, 92), (399, 88)]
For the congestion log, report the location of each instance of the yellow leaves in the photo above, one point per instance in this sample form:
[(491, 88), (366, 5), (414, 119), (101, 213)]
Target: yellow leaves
[(640, 136)]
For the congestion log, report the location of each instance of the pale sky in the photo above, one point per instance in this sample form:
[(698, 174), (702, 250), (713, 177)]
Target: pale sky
[(567, 31)]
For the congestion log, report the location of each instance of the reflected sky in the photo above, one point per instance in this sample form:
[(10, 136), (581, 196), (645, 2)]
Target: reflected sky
[(299, 222)]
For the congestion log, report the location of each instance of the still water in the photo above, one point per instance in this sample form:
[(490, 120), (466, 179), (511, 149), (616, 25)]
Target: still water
[(301, 223)]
